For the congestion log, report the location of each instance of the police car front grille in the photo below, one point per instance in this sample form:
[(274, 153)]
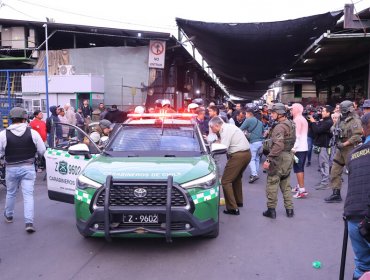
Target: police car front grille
[(122, 195), (174, 226)]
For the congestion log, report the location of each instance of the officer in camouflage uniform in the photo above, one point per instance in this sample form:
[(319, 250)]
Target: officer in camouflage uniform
[(279, 161), (347, 135)]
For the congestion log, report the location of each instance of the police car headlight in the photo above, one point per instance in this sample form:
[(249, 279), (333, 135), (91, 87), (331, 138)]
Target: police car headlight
[(205, 182), (84, 182)]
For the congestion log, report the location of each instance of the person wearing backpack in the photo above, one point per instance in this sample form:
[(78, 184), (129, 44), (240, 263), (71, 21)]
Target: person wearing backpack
[(253, 129)]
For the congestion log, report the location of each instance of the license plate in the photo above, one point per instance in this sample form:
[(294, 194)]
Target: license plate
[(141, 218)]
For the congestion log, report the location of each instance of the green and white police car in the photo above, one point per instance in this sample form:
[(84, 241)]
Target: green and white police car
[(155, 177)]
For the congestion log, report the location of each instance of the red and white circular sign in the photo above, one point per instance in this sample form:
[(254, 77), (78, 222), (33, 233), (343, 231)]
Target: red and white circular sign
[(157, 48)]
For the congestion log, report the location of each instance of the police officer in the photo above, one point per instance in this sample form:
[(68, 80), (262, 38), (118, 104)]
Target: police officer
[(19, 144), (279, 161), (239, 156), (357, 203), (347, 134)]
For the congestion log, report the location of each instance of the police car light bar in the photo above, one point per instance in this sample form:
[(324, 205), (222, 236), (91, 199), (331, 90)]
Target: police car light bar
[(163, 115)]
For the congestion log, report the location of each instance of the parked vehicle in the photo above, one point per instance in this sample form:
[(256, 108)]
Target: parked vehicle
[(155, 177)]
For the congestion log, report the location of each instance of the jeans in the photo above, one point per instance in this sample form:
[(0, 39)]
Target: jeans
[(361, 249), (309, 152), (23, 177), (254, 165)]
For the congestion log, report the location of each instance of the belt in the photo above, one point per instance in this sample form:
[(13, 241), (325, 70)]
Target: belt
[(240, 152)]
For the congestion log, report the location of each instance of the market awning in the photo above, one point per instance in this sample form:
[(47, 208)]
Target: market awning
[(247, 57)]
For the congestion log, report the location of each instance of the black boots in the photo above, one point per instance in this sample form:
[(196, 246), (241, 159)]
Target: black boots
[(289, 213), (270, 213), (335, 197)]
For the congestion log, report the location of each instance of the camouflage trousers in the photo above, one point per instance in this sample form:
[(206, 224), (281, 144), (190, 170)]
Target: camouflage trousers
[(279, 177), (339, 161)]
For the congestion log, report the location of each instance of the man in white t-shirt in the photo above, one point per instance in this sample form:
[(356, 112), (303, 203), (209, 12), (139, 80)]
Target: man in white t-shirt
[(300, 149)]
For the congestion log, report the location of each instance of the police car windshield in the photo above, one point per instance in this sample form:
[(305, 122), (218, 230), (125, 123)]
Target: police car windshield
[(155, 140)]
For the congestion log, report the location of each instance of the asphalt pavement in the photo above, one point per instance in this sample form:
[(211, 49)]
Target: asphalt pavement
[(249, 246)]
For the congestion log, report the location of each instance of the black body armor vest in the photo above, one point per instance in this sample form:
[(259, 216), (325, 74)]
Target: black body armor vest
[(19, 148)]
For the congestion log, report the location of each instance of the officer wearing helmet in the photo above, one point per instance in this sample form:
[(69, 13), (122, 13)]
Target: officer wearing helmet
[(19, 143), (157, 105), (166, 106), (192, 107), (279, 161), (346, 135)]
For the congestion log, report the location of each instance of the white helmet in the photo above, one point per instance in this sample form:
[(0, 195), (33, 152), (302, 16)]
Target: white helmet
[(95, 136), (139, 110), (165, 102), (192, 106)]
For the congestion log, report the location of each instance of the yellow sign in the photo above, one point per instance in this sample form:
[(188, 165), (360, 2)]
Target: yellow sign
[(133, 91)]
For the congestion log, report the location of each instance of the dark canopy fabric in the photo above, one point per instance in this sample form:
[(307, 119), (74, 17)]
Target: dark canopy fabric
[(247, 57)]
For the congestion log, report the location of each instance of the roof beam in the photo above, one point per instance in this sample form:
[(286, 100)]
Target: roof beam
[(352, 21)]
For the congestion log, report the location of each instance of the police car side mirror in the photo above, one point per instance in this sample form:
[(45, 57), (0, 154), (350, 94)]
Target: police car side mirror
[(218, 149), (79, 150)]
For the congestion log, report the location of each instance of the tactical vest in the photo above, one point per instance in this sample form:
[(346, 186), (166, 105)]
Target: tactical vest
[(290, 137), (19, 148), (346, 127), (358, 195)]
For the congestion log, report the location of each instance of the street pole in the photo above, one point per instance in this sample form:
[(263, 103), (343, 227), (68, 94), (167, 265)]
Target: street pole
[(46, 69)]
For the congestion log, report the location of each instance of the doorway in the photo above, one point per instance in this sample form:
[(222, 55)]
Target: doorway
[(80, 97)]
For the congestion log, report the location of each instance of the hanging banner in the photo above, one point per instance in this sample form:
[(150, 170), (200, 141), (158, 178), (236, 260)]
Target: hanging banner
[(157, 51)]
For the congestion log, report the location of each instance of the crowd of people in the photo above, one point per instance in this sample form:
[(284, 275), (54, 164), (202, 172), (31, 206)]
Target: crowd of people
[(288, 135), (281, 136)]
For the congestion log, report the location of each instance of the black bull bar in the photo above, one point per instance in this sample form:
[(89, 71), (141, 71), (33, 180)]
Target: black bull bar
[(109, 183)]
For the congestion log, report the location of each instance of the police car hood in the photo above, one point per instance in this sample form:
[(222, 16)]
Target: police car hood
[(18, 129), (183, 169)]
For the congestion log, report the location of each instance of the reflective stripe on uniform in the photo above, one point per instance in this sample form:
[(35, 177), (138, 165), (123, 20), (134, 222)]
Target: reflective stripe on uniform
[(83, 196), (204, 196)]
